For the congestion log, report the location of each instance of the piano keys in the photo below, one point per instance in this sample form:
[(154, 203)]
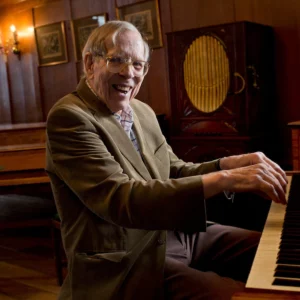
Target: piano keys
[(276, 266)]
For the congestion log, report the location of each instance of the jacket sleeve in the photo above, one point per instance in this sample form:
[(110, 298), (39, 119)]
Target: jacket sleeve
[(179, 168), (78, 155)]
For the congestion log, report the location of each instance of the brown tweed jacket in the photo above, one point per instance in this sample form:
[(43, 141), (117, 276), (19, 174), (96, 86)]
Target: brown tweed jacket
[(115, 204)]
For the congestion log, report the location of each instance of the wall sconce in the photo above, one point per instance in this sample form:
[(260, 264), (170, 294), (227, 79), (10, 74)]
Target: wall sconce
[(15, 47), (11, 44), (3, 50)]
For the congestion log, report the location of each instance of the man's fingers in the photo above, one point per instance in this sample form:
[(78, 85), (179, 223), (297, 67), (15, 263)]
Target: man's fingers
[(276, 168), (273, 186)]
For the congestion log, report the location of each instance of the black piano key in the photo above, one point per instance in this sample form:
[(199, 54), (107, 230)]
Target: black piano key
[(294, 254), (287, 268), (289, 253), (287, 271), (287, 245), (291, 220), (292, 212), (288, 259), (290, 235), (287, 274), (286, 282), (291, 226)]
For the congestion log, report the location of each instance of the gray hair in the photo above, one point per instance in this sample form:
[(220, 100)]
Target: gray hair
[(96, 41)]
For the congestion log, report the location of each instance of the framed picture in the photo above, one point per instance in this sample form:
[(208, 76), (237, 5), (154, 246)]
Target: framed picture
[(82, 28), (145, 16), (51, 44)]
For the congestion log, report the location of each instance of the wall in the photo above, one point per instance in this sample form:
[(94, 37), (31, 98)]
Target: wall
[(27, 91)]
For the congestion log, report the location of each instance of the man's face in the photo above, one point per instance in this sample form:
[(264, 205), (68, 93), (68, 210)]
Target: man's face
[(117, 89)]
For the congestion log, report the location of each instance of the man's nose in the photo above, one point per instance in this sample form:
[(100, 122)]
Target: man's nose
[(127, 70)]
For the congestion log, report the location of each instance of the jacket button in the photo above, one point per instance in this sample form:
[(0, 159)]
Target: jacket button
[(161, 242)]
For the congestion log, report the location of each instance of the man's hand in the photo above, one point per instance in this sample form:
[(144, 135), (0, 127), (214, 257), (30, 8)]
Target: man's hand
[(237, 161), (252, 172), (260, 179)]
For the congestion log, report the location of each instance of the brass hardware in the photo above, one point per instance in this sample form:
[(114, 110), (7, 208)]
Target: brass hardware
[(231, 126), (255, 76), (243, 82)]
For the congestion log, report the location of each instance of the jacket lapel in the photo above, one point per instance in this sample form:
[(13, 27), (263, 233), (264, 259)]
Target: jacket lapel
[(124, 144), (105, 118), (148, 156)]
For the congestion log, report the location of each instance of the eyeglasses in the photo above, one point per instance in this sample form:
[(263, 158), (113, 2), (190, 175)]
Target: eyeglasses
[(116, 64)]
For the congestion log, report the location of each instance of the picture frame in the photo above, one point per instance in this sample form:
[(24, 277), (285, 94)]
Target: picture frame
[(51, 44), (82, 28), (145, 16)]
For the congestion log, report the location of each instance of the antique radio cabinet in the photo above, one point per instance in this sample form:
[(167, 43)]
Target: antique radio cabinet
[(222, 90)]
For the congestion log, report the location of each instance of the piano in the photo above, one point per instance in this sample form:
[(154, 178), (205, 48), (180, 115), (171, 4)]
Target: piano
[(275, 272)]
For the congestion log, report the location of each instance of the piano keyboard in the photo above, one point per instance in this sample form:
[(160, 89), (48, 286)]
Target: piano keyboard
[(277, 262)]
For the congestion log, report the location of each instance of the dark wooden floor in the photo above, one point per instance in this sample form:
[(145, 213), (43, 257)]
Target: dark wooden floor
[(27, 266)]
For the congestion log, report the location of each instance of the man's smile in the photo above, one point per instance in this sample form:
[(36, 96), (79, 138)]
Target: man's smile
[(122, 88)]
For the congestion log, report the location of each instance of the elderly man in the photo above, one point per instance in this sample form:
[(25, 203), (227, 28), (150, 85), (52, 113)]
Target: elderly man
[(132, 213)]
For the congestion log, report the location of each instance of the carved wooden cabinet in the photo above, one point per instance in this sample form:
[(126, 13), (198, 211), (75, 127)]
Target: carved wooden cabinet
[(222, 90), (295, 142)]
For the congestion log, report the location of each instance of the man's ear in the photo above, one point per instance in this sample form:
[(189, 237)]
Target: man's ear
[(88, 63)]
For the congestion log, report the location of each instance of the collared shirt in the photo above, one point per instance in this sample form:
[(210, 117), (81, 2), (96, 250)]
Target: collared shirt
[(126, 121)]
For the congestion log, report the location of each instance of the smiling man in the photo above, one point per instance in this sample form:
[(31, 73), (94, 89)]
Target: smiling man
[(132, 214), (106, 71)]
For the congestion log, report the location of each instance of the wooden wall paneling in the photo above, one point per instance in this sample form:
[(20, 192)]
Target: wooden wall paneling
[(17, 92), (14, 74), (143, 94), (5, 108), (125, 2), (51, 13), (262, 11), (22, 75), (32, 108), (80, 9), (16, 6), (154, 90), (166, 26), (259, 11), (56, 80), (200, 13), (79, 68), (243, 10)]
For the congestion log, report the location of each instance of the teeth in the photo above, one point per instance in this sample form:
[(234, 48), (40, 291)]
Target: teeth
[(123, 88)]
